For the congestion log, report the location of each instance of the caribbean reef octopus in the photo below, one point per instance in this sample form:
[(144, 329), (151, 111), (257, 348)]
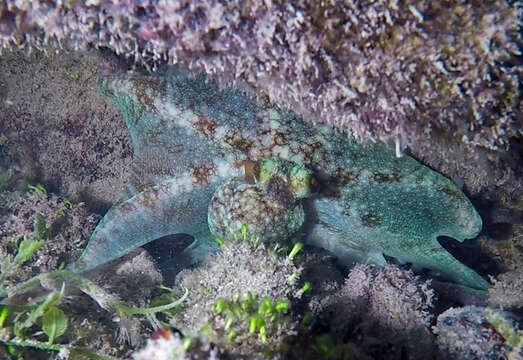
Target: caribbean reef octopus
[(208, 160)]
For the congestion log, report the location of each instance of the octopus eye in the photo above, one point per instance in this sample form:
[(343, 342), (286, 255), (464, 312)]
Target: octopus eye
[(252, 171)]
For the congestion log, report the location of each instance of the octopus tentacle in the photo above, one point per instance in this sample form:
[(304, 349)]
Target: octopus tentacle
[(163, 209)]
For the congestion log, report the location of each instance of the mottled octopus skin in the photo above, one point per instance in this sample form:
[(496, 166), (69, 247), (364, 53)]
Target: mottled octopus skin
[(189, 137), (269, 204)]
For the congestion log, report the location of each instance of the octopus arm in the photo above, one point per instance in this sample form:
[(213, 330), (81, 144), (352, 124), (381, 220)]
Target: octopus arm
[(163, 209)]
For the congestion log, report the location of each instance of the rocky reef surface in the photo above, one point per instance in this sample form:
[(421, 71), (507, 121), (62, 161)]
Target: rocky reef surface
[(28, 122), (382, 69), (441, 83)]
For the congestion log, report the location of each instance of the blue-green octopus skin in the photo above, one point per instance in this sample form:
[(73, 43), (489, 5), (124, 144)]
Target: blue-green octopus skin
[(189, 136)]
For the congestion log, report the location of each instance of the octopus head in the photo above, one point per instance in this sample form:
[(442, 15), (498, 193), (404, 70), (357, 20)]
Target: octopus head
[(296, 178)]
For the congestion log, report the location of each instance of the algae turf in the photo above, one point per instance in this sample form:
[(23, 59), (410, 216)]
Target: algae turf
[(42, 305)]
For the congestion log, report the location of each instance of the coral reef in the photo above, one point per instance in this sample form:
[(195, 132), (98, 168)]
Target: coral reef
[(382, 69), (34, 83), (383, 311), (474, 332), (442, 78)]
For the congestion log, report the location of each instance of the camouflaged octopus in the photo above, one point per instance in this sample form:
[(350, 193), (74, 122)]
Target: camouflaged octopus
[(208, 160)]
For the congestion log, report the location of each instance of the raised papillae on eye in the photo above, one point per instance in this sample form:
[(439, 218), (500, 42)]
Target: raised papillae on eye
[(298, 179)]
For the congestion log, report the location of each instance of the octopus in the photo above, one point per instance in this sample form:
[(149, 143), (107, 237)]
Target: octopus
[(208, 160)]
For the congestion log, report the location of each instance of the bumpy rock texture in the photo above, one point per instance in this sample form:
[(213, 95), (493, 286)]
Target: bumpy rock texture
[(240, 267), (506, 290), (64, 228), (382, 69), (165, 345), (386, 311), (56, 129), (473, 332), (67, 228)]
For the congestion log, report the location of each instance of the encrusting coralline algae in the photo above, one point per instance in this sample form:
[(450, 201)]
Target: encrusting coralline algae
[(381, 69), (473, 332), (68, 226)]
